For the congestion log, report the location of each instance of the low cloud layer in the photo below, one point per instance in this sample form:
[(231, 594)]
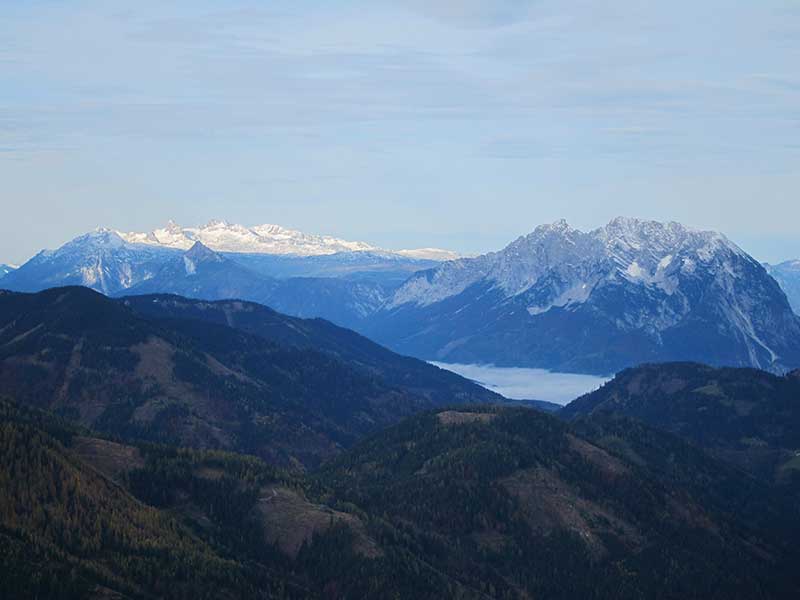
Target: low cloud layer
[(528, 384)]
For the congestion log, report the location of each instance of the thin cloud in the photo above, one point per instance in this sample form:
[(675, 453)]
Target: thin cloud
[(474, 13)]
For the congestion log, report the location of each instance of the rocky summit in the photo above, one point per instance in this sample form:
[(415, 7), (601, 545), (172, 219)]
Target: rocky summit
[(632, 291)]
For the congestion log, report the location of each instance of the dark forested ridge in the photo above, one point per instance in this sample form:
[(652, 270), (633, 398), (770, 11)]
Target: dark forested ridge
[(512, 502), (438, 385), (205, 384), (158, 447), (481, 502), (744, 416), (66, 531)]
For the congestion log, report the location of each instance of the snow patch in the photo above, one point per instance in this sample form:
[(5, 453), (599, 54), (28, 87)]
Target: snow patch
[(577, 294), (636, 272)]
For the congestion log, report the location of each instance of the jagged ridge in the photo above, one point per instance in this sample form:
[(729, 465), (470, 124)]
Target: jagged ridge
[(630, 291)]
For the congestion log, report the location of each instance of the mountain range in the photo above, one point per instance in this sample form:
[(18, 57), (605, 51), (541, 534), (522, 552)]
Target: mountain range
[(266, 239), (630, 292), (342, 287), (562, 299)]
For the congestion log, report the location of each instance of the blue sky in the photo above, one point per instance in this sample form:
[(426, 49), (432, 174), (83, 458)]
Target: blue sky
[(460, 124)]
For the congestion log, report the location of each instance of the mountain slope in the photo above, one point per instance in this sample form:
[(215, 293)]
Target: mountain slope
[(467, 502), (512, 503), (202, 273), (745, 416), (5, 270), (68, 532), (389, 268), (93, 360), (208, 275), (437, 385), (478, 502), (787, 274), (630, 292)]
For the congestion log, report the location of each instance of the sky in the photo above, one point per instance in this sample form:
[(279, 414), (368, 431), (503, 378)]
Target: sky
[(453, 123)]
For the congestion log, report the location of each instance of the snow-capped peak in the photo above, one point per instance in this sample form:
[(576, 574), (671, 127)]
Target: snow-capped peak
[(99, 238), (641, 251), (222, 236), (631, 233), (559, 226), (563, 294), (214, 223)]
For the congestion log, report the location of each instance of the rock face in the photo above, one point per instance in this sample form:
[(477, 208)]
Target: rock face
[(630, 292)]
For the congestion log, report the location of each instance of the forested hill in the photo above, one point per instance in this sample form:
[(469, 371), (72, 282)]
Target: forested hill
[(68, 531), (98, 362), (481, 502), (513, 503), (746, 416), (438, 385)]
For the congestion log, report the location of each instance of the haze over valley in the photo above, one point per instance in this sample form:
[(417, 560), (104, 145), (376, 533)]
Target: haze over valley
[(518, 383)]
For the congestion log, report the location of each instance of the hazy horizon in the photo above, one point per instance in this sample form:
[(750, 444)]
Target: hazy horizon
[(397, 245)]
